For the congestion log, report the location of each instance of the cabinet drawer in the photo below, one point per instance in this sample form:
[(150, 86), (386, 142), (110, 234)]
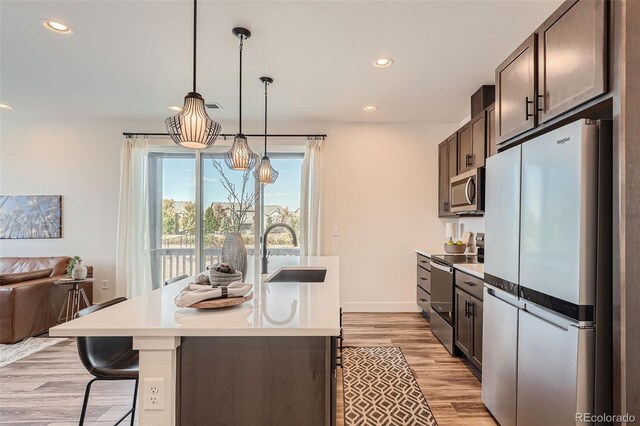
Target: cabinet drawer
[(469, 284), (424, 279), (424, 262), (423, 299)]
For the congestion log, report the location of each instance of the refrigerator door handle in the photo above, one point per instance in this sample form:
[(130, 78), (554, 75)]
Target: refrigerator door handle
[(551, 319), (503, 296)]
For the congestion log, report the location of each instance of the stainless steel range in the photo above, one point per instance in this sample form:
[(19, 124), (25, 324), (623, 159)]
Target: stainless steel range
[(442, 292)]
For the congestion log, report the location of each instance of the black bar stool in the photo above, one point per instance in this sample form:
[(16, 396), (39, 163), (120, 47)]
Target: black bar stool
[(108, 358)]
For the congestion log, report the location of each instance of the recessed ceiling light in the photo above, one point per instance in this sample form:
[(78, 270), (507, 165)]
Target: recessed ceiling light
[(175, 108), (56, 26), (5, 106), (370, 108), (383, 62)]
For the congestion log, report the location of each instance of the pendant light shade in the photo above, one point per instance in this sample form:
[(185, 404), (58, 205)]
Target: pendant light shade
[(192, 127), (265, 173), (240, 156)]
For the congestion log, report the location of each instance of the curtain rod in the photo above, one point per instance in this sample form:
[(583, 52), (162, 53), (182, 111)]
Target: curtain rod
[(226, 135)]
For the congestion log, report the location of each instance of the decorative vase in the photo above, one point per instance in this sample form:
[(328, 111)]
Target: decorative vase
[(234, 252), (79, 271)]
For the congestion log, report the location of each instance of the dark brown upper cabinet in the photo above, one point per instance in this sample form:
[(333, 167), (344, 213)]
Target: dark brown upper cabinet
[(516, 91), (571, 57), (447, 168), (558, 68), (478, 140), (464, 147), (492, 148), (471, 144)]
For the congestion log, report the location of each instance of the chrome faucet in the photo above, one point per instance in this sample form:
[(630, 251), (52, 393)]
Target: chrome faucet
[(265, 253)]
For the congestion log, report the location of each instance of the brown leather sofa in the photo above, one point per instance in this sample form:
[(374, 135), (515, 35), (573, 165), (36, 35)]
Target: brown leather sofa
[(29, 300)]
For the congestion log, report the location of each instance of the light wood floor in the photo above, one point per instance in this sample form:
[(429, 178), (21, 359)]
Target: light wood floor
[(47, 388)]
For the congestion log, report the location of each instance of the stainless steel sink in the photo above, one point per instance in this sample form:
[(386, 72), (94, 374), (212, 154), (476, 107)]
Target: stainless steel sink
[(299, 275)]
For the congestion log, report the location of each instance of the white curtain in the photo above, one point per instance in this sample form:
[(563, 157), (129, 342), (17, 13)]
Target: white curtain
[(311, 199), (133, 260)]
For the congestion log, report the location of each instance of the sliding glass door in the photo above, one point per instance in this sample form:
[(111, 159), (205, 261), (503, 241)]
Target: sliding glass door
[(281, 204), (223, 192), (172, 210), (191, 210)]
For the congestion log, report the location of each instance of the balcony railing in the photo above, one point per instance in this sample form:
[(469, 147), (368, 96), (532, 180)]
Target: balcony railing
[(171, 262)]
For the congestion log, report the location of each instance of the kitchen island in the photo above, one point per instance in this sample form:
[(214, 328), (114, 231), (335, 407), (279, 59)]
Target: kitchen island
[(270, 360)]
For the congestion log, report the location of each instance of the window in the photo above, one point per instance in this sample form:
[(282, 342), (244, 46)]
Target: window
[(281, 204), (217, 205), (188, 230), (172, 211)]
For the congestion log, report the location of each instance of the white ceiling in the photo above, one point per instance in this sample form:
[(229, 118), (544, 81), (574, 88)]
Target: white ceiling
[(132, 59)]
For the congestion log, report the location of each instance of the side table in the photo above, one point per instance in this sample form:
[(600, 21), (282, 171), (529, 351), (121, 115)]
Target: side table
[(75, 301)]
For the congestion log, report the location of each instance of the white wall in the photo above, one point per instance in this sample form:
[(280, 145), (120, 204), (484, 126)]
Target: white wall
[(380, 190), (473, 224), (79, 161)]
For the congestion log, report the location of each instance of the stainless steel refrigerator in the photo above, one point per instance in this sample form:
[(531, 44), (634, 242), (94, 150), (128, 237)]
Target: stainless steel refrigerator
[(547, 313)]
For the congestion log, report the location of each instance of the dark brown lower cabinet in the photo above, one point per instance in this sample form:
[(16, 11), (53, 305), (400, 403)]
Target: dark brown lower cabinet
[(423, 287), (248, 381), (468, 327)]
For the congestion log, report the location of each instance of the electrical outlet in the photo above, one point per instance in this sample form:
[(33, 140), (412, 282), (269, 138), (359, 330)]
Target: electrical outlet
[(153, 394), (336, 231), (105, 284)]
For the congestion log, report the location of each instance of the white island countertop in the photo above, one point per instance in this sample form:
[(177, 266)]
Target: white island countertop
[(277, 309)]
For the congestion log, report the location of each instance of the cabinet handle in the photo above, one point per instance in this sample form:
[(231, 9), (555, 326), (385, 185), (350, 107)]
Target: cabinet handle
[(540, 102), (466, 309), (526, 108), (423, 300), (424, 279), (469, 283), (424, 261), (472, 309)]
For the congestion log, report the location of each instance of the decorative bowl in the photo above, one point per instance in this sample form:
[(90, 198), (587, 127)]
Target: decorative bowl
[(455, 249)]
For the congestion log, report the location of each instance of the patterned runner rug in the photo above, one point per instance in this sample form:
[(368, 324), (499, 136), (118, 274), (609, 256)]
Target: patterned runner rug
[(15, 352), (380, 389)]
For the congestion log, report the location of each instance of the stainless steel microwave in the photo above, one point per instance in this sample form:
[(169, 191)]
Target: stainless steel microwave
[(466, 190)]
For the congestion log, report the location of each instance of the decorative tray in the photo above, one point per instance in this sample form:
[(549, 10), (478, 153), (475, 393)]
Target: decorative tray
[(222, 303)]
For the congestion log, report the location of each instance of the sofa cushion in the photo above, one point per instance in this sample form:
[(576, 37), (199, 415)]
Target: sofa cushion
[(24, 276), (13, 265)]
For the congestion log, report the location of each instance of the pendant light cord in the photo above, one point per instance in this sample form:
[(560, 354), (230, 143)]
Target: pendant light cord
[(195, 27), (266, 84), (240, 73)]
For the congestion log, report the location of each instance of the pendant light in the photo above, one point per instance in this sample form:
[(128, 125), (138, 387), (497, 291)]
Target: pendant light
[(192, 127), (240, 156), (265, 173)]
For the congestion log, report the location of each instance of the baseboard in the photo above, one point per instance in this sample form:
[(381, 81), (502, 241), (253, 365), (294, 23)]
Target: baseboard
[(379, 307)]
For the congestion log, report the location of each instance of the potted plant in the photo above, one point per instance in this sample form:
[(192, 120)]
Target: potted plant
[(241, 201), (76, 269)]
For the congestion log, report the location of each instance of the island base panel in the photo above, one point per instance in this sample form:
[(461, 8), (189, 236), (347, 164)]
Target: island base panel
[(252, 381)]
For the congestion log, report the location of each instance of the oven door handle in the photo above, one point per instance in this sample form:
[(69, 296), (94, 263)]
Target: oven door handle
[(442, 268)]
